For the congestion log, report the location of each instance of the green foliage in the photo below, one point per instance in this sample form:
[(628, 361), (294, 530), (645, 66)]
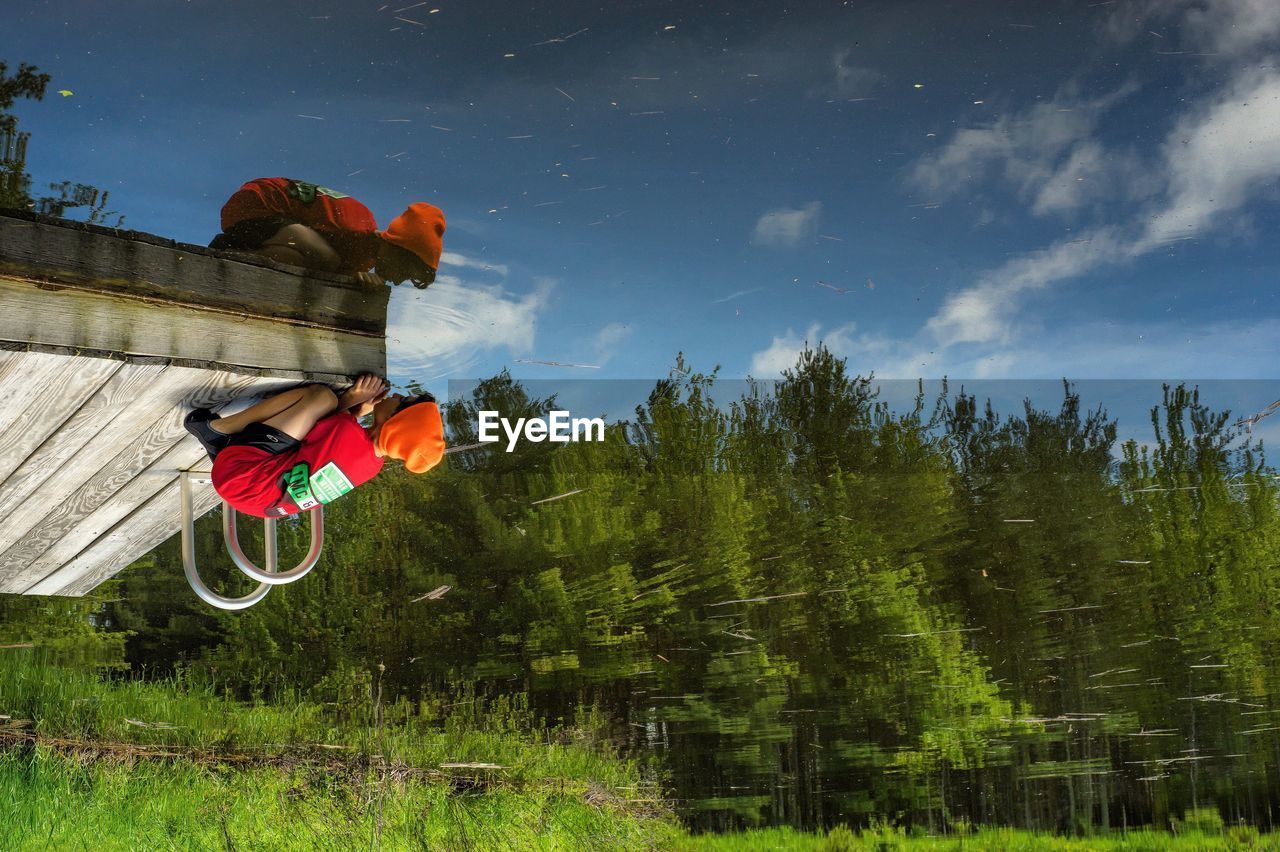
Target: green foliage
[(75, 630), (813, 607), (184, 713), (48, 801), (71, 196), (27, 82), (840, 839), (15, 183), (985, 840)]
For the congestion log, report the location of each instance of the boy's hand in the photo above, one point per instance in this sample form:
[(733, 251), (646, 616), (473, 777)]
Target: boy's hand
[(370, 280), (367, 407), (366, 389)]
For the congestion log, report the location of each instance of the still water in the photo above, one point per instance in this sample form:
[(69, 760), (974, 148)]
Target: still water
[(813, 598)]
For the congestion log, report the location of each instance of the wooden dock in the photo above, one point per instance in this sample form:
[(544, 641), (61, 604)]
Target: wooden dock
[(107, 339)]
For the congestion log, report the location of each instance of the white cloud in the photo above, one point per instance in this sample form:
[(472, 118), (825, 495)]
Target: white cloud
[(1216, 156), (985, 313), (736, 295), (1046, 154), (607, 341), (1210, 165), (1107, 350), (453, 260), (1097, 350), (852, 81), (786, 226), (444, 329), (783, 352), (1229, 29), (1236, 26), (1080, 177)]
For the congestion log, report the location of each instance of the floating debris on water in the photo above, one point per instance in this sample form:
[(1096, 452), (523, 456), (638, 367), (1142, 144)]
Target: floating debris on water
[(760, 600), (938, 632), (464, 447), (434, 595), (558, 496), (561, 39), (555, 363)]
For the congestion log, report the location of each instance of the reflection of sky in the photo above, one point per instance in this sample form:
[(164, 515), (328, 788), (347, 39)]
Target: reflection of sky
[(1029, 190)]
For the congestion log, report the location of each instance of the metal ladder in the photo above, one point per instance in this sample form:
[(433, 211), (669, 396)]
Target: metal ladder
[(267, 577)]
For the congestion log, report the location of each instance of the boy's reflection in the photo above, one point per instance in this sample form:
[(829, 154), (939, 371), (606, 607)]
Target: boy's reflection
[(312, 226)]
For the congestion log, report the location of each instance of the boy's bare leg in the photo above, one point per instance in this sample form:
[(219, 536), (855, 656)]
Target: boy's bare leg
[(320, 401), (317, 401), (259, 412), (295, 411), (299, 245)]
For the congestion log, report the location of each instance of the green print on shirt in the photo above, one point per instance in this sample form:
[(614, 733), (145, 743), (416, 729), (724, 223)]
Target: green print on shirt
[(329, 483), (297, 483), (307, 192)]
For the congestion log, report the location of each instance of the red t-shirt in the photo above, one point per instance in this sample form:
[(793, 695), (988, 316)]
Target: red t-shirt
[(335, 457), (347, 224)]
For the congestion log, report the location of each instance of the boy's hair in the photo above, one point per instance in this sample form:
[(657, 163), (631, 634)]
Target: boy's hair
[(414, 400), (398, 262)]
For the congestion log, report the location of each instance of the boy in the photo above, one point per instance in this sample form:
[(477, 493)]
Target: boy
[(303, 447), (315, 227)]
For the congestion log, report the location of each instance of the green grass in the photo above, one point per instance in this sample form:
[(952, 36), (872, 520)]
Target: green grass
[(90, 763), (78, 704), (984, 840), (50, 801)]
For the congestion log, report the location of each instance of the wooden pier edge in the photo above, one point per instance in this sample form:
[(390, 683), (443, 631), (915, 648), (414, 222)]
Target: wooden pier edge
[(107, 339)]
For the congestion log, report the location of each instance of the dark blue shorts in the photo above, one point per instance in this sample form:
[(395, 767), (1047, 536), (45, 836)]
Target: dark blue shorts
[(250, 234)]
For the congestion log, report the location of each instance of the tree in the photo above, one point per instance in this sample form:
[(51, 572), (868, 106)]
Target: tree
[(15, 183)]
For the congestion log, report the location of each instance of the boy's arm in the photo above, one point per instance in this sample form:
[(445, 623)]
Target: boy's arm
[(360, 398)]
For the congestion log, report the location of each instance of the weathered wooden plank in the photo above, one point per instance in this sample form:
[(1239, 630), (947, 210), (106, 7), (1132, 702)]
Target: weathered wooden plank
[(125, 263), (81, 319), (71, 529), (106, 419), (9, 362), (144, 529), (52, 391), (67, 501), (14, 389)]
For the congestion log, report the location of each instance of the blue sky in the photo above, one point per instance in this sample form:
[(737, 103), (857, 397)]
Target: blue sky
[(995, 190)]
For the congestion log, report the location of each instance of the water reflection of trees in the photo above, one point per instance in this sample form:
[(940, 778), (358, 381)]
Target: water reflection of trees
[(15, 183), (816, 608)]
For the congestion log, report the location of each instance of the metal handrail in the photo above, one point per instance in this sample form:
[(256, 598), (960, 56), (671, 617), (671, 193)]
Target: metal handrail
[(267, 578), (270, 576)]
